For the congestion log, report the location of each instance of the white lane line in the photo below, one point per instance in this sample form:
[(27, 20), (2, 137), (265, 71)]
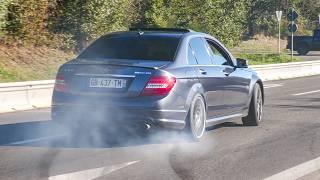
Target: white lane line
[(272, 85), (298, 171), (90, 174), (304, 93), (35, 140)]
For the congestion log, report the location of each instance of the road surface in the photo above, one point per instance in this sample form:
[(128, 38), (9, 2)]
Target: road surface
[(285, 146), (311, 56)]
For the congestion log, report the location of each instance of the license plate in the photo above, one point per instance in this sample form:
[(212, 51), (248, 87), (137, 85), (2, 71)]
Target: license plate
[(108, 83)]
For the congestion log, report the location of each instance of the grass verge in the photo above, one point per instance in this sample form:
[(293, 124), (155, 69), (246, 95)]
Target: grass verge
[(259, 59), (28, 63)]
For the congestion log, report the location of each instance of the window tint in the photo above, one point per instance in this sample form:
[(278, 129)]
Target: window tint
[(218, 56), (191, 59), (134, 47), (201, 53)]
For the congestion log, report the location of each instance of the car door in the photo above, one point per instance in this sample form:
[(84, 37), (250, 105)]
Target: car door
[(210, 76), (316, 40), (236, 80)]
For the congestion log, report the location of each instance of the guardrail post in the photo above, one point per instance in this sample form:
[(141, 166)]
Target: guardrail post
[(28, 94)]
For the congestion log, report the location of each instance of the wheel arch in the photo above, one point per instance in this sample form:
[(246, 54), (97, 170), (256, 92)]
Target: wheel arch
[(262, 88), (303, 44), (195, 89), (256, 80)]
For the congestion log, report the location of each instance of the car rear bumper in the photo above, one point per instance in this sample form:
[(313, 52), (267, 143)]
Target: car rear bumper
[(121, 116)]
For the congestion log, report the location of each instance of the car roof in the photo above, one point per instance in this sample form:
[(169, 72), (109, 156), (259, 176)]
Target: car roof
[(162, 32)]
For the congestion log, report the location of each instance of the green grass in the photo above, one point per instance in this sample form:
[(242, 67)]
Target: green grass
[(28, 63), (8, 76), (259, 59)]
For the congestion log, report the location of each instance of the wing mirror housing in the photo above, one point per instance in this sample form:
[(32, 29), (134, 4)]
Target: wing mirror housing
[(242, 63)]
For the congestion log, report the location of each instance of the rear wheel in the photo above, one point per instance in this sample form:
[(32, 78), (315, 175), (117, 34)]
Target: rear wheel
[(196, 121), (303, 49), (255, 109)]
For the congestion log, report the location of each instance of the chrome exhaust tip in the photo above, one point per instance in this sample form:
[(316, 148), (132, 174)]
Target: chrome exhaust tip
[(147, 126)]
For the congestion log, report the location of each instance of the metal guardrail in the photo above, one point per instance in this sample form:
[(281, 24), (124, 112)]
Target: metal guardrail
[(35, 94), (25, 95)]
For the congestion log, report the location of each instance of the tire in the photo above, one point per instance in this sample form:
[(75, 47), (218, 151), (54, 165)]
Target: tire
[(255, 113), (196, 120), (303, 49)]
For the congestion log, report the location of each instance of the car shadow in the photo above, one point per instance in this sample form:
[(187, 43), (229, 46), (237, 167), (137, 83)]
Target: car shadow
[(53, 135)]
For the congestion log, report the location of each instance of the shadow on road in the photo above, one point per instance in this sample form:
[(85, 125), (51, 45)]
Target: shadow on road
[(51, 134)]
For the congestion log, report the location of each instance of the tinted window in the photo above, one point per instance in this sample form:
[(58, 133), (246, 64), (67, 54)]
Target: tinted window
[(201, 53), (218, 56), (143, 47), (191, 59)]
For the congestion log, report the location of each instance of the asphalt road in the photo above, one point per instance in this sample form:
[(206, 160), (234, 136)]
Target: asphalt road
[(311, 56), (287, 142)]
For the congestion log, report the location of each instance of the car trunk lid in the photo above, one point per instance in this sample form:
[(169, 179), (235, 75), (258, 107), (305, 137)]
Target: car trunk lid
[(117, 78)]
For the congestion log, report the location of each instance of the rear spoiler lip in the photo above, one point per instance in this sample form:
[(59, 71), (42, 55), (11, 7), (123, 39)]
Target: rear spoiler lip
[(97, 62)]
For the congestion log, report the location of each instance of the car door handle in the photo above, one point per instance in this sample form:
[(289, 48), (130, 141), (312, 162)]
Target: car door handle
[(203, 72), (226, 72)]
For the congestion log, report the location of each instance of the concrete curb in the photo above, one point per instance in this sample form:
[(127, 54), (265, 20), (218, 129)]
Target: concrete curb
[(37, 94)]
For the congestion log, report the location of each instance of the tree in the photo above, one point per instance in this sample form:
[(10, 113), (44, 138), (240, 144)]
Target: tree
[(26, 20), (224, 19), (86, 20)]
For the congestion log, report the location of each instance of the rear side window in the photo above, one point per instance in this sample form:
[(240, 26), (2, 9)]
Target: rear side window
[(191, 59), (201, 53), (144, 47)]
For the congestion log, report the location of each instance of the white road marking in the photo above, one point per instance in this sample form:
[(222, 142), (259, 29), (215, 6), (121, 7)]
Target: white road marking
[(304, 93), (35, 140), (91, 173), (298, 171), (266, 86)]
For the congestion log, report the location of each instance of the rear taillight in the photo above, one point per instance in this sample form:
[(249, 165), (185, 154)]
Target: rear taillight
[(60, 84), (159, 85)]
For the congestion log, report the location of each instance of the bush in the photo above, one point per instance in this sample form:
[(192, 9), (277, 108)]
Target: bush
[(3, 13), (26, 20)]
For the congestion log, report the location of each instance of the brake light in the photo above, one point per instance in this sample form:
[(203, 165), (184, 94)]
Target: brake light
[(159, 85), (60, 84)]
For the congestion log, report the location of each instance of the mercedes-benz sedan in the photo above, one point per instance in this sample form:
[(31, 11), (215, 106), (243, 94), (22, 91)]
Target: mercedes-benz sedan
[(172, 78)]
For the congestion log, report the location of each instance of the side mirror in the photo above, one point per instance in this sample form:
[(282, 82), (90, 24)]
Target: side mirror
[(242, 63)]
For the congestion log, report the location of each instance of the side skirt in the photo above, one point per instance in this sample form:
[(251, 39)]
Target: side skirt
[(219, 120)]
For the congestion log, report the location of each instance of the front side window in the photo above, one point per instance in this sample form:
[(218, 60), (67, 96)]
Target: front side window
[(219, 57)]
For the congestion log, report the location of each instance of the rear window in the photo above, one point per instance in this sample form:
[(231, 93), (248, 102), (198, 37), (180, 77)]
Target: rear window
[(161, 48)]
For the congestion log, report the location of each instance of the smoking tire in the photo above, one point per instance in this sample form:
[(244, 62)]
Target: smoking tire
[(196, 120)]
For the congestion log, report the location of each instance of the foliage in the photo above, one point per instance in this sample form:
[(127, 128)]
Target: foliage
[(258, 59), (262, 19), (75, 23), (221, 18), (87, 20), (3, 12), (26, 20)]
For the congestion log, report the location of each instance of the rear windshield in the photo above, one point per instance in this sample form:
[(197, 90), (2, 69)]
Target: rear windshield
[(161, 48)]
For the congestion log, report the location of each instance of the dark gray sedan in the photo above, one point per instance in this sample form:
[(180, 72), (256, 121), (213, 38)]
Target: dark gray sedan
[(172, 78)]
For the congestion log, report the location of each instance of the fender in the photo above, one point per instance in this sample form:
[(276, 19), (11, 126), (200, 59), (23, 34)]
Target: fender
[(254, 80), (195, 89)]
